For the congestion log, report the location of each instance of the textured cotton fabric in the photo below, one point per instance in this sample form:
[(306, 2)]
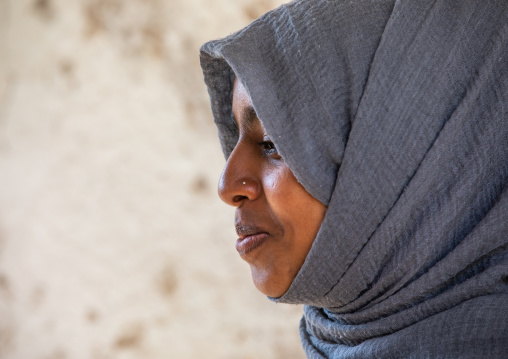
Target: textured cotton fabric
[(394, 114)]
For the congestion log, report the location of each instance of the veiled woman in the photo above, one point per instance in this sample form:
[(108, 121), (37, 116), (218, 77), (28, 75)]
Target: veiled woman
[(367, 158)]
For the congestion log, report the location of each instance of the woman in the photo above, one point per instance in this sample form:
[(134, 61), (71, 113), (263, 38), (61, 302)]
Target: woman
[(367, 146)]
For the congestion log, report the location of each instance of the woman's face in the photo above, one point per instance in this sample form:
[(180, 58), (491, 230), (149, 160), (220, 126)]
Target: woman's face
[(276, 219)]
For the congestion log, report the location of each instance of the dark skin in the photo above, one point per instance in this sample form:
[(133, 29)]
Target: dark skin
[(276, 219)]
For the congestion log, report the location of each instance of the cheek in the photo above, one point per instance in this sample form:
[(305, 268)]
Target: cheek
[(298, 217), (277, 184), (295, 209)]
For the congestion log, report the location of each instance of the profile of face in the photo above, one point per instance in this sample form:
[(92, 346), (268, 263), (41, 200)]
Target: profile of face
[(276, 219)]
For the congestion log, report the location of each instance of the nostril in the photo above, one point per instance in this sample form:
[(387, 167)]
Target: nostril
[(239, 198)]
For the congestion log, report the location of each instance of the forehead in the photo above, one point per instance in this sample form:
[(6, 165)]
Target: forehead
[(243, 111)]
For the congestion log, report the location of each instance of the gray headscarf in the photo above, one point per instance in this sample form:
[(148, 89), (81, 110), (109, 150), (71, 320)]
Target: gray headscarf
[(394, 114)]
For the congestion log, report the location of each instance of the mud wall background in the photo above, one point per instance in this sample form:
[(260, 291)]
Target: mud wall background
[(113, 243)]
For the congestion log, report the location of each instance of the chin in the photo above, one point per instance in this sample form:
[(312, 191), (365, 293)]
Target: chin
[(269, 284)]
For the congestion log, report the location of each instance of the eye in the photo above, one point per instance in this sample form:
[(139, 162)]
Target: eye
[(269, 149), (268, 146)]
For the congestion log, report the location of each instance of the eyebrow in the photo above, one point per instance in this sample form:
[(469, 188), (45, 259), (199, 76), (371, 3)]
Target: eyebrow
[(248, 116)]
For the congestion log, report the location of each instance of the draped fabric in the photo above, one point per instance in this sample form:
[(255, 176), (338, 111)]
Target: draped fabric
[(394, 114)]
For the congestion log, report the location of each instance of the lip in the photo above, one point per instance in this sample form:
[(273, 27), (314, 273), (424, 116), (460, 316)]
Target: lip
[(249, 238)]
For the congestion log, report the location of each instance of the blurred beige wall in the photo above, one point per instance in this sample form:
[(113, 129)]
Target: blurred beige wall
[(113, 243)]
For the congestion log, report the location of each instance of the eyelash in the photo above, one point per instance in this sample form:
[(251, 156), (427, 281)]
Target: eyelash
[(268, 147)]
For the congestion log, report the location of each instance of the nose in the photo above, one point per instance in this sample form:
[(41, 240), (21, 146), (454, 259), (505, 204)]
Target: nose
[(239, 181)]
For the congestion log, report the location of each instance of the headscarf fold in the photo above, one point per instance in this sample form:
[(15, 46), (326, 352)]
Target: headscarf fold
[(394, 114)]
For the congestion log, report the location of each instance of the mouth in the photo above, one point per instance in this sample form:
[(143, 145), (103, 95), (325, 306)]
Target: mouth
[(249, 238)]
